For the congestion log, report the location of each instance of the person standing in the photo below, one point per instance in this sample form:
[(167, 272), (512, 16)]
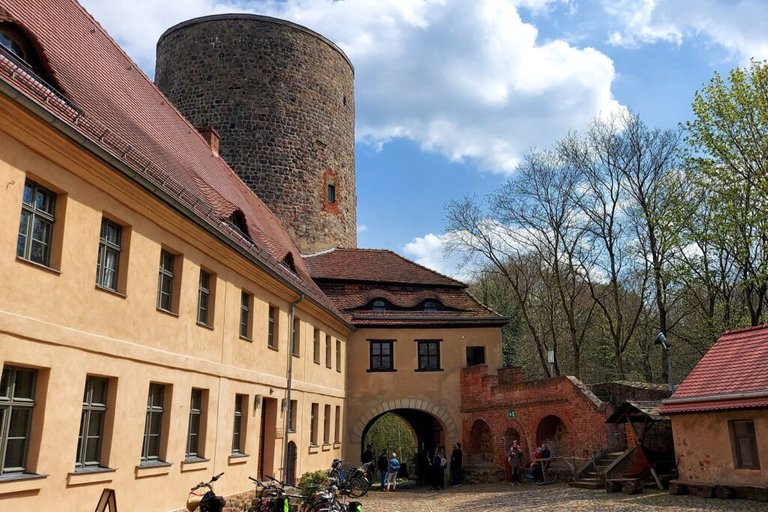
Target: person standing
[(456, 461), (382, 464), (515, 459), (392, 469)]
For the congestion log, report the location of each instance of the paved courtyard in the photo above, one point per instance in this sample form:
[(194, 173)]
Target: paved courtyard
[(549, 498)]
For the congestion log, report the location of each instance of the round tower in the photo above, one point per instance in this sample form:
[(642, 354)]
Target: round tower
[(281, 98)]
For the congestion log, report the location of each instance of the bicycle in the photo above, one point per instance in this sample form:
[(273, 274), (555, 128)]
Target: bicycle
[(207, 501), (270, 496), (356, 481)]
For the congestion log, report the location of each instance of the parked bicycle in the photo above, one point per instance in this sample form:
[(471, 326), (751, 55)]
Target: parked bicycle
[(270, 496), (205, 500), (354, 481), (331, 498)]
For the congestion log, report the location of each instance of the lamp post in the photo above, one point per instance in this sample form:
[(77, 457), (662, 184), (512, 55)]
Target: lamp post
[(666, 345)]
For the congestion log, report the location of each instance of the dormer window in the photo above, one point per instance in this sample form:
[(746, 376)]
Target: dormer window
[(430, 305), (288, 262), (379, 305), (12, 44), (237, 220)]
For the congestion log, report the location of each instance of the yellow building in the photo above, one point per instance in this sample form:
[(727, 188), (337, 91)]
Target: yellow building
[(157, 323)]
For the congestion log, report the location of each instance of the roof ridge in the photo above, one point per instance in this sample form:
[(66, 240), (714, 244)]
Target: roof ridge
[(744, 329)]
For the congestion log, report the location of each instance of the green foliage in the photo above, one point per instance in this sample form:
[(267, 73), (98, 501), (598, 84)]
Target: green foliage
[(311, 481), (391, 433)]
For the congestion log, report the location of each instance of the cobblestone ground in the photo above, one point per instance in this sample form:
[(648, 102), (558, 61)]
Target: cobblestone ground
[(549, 498)]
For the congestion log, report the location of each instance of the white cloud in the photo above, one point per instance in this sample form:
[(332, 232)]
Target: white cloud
[(362, 228), (429, 251), (740, 27), (466, 79)]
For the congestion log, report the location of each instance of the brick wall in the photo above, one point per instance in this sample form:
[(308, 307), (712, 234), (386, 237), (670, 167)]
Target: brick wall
[(282, 99)]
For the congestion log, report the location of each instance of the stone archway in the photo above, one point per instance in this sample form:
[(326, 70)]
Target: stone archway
[(553, 431), (449, 426)]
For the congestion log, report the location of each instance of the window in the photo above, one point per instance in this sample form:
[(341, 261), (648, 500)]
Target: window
[(17, 402), (381, 355), (328, 349), (337, 425), (166, 287), (313, 424), (744, 444), (10, 43), (194, 437), (272, 327), (292, 416), (379, 305), (205, 298), (338, 355), (246, 302), (475, 356), (429, 355), (430, 305), (327, 424), (91, 437), (108, 265), (153, 425), (36, 225), (331, 193), (316, 346), (296, 337), (238, 430)]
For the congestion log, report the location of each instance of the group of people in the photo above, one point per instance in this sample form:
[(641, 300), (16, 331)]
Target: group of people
[(541, 457), (389, 466)]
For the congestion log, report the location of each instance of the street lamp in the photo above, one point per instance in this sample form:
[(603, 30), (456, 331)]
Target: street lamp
[(666, 345)]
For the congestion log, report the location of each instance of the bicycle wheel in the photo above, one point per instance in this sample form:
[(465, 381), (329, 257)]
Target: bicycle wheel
[(358, 486)]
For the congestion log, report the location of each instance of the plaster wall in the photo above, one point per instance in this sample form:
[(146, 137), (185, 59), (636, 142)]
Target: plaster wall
[(55, 320), (371, 393), (705, 452)]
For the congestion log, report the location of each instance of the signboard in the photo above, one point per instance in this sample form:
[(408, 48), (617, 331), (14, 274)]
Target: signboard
[(511, 413)]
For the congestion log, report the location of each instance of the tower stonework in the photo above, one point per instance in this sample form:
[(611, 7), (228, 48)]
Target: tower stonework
[(281, 97)]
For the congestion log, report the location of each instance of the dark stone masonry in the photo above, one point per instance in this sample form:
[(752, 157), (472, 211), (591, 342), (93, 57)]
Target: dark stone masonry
[(281, 97)]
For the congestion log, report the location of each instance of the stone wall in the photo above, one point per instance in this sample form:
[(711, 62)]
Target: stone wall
[(282, 99)]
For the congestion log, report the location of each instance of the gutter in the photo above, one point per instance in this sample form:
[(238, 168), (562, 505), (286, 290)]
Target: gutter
[(286, 421), (716, 398)]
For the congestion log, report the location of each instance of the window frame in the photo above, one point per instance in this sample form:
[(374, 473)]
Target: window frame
[(431, 361), (327, 424), (206, 297), (296, 337), (246, 321), (372, 356), (328, 351), (292, 415), (167, 282), (45, 215), (239, 425), (338, 355), (10, 403), (471, 355), (195, 447), (154, 410), (106, 277), (337, 425), (313, 423), (741, 441), (89, 408), (272, 327), (316, 346)]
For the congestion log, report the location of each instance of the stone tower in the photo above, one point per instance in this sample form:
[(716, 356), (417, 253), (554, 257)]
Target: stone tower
[(281, 99)]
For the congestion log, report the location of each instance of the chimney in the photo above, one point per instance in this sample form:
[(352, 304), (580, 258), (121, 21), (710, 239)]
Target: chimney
[(212, 137)]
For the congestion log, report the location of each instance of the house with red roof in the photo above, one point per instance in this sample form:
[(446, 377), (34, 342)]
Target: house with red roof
[(720, 419)]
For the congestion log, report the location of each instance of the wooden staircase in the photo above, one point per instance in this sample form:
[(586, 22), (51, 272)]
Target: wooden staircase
[(592, 475)]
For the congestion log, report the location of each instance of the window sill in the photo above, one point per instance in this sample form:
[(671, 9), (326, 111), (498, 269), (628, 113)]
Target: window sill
[(153, 469), (167, 312), (273, 347), (326, 447), (246, 338), (313, 448), (371, 370), (336, 444), (238, 458), (92, 475), (194, 464), (38, 265), (204, 326), (428, 371), (21, 482), (110, 291)]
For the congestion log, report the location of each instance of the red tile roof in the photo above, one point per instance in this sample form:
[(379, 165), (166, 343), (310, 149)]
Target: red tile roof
[(373, 265), (731, 375), (353, 278), (115, 106)]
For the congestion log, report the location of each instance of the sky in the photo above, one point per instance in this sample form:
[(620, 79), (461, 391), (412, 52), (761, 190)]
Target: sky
[(451, 94)]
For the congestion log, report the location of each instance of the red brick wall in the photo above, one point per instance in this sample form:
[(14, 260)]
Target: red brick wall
[(490, 399)]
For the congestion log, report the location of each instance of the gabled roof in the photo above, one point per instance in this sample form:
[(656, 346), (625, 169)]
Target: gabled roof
[(373, 265), (118, 110), (731, 375), (354, 278)]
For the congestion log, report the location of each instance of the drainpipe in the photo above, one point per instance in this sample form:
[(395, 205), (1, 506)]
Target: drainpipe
[(287, 413)]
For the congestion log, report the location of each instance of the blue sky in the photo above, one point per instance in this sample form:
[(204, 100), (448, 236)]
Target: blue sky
[(450, 94)]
